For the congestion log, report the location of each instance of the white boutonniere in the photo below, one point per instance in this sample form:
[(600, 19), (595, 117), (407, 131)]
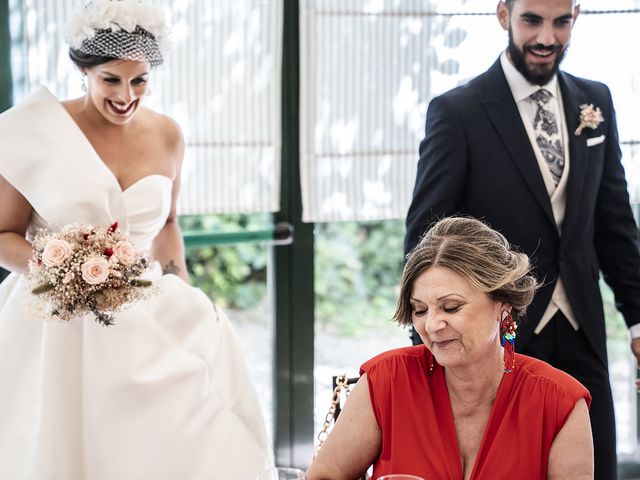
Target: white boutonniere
[(590, 117)]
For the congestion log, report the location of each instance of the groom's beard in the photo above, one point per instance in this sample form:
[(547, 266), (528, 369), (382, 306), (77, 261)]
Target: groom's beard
[(536, 74)]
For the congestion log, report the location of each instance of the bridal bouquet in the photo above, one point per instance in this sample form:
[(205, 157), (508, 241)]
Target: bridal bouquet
[(85, 269)]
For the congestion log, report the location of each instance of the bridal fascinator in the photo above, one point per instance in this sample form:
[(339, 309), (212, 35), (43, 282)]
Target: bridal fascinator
[(123, 29)]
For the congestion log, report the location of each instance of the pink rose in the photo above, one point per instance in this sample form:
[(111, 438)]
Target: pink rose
[(55, 252), (124, 252), (95, 270)]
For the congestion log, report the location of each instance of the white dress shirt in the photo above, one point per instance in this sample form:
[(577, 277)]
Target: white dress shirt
[(521, 90)]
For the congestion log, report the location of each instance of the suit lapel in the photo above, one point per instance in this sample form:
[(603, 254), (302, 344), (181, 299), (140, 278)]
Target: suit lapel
[(572, 98), (503, 113)]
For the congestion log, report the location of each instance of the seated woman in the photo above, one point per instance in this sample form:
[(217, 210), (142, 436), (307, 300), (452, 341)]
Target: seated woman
[(462, 406)]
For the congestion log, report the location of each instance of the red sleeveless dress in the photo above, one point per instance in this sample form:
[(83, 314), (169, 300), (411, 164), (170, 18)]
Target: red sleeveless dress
[(418, 433)]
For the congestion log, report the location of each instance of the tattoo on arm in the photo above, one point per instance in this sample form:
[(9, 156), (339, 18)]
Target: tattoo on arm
[(171, 267)]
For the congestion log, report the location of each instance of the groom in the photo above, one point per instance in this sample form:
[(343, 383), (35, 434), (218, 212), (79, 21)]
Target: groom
[(534, 152)]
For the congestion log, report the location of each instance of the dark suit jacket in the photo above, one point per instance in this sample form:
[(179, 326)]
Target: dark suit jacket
[(476, 159)]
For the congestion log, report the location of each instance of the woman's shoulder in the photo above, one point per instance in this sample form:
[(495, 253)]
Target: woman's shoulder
[(410, 357), (541, 374), (163, 125), (162, 130)]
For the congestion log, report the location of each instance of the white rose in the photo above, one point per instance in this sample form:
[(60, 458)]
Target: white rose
[(55, 252), (95, 270)]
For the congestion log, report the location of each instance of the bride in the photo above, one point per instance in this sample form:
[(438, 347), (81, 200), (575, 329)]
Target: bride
[(164, 393)]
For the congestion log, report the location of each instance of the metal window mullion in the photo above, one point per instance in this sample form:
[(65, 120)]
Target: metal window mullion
[(6, 78), (291, 277)]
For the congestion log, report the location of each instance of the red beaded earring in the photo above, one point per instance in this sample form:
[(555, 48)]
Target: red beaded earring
[(432, 366), (508, 339)]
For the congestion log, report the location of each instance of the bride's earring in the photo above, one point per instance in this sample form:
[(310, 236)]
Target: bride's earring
[(83, 86), (148, 92)]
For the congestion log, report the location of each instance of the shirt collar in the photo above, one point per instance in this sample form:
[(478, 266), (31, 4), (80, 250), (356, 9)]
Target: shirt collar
[(521, 89)]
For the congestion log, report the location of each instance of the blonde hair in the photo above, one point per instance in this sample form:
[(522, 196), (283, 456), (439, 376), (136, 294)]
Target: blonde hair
[(479, 254)]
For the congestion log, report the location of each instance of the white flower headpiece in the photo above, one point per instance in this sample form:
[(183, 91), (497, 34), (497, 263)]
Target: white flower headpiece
[(111, 27)]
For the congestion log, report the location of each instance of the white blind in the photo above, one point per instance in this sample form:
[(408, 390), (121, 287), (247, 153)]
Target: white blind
[(616, 65), (364, 83), (221, 82), (369, 68)]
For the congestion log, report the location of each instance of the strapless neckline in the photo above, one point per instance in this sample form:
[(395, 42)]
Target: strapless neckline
[(101, 161), (143, 180), (147, 203)]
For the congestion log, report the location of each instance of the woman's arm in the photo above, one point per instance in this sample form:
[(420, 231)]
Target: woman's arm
[(168, 246), (354, 442), (168, 249), (571, 455), (15, 213)]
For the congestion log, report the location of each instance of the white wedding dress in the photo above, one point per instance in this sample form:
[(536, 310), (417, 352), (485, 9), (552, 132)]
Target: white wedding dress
[(164, 394)]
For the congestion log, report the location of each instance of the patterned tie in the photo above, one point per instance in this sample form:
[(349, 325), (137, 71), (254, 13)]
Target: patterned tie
[(547, 135)]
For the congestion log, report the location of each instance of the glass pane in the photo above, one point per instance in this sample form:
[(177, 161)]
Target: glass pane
[(363, 105), (358, 268), (622, 367), (608, 5), (220, 82), (402, 7), (622, 372), (590, 58), (235, 278)]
